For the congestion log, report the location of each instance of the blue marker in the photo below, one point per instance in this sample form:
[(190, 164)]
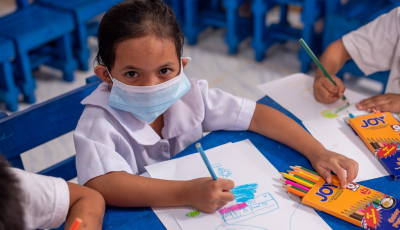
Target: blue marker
[(205, 159)]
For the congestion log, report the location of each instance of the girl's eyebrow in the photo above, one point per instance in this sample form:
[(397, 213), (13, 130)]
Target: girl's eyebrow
[(130, 67), (134, 68), (166, 64)]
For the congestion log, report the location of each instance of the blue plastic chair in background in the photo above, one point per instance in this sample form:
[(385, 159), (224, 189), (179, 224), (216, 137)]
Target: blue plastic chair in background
[(349, 17), (84, 12), (199, 15), (41, 35), (41, 123), (264, 37), (8, 89)]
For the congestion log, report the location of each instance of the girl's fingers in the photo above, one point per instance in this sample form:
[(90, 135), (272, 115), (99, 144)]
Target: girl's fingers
[(351, 170), (341, 174), (227, 196)]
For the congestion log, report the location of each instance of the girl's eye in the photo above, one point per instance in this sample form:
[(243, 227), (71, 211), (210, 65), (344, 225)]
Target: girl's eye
[(131, 74), (165, 71)]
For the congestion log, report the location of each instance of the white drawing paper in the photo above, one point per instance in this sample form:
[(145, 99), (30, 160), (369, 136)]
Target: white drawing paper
[(260, 202)]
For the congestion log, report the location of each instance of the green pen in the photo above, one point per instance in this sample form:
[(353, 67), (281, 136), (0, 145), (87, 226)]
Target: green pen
[(315, 59)]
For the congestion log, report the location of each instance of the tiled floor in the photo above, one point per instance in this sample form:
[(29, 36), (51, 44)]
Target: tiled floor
[(237, 74)]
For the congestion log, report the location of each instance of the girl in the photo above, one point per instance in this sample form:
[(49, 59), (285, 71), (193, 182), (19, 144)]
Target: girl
[(147, 111), (374, 47)]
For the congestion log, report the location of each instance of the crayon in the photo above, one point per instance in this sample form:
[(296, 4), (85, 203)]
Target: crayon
[(302, 175), (292, 178), (295, 184)]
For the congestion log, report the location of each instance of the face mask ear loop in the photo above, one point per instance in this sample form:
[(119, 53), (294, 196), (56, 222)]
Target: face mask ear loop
[(109, 74)]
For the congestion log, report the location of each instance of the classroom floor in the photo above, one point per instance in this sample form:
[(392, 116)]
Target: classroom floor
[(237, 74)]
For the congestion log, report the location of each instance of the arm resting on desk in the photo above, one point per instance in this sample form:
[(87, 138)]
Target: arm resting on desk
[(127, 190), (276, 125)]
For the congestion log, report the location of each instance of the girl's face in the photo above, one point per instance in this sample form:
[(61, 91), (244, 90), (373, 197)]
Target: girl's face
[(145, 61)]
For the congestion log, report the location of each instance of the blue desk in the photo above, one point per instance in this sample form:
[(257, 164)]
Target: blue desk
[(278, 154)]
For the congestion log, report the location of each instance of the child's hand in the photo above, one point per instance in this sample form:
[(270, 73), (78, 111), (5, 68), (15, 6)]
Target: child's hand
[(325, 91), (329, 161), (207, 194), (386, 103)]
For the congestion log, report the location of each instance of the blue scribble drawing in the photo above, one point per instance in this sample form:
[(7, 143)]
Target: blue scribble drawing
[(224, 173), (248, 205), (238, 227)]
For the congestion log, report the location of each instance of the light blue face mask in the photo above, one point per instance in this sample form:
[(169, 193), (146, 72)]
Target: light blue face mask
[(147, 103)]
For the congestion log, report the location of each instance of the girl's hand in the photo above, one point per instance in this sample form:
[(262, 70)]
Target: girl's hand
[(329, 161), (207, 194), (386, 103), (325, 91)]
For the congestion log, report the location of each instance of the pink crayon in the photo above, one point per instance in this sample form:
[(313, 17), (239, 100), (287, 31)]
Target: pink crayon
[(232, 208), (295, 184)]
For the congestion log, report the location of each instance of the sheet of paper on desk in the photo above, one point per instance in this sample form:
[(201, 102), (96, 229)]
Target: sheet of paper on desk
[(295, 93), (260, 202)]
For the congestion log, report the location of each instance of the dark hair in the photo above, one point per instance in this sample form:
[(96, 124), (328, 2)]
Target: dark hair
[(135, 19), (11, 214)]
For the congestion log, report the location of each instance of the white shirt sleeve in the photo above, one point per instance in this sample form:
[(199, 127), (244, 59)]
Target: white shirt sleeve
[(373, 46), (44, 199), (223, 111), (97, 144)]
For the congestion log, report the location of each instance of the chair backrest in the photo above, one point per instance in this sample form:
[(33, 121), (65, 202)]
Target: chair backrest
[(22, 4), (41, 123)]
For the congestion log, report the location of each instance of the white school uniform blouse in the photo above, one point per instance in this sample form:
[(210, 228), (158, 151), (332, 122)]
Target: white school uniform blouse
[(375, 47), (108, 139), (45, 200)]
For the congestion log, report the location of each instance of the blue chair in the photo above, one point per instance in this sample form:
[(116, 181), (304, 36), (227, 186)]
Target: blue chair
[(264, 37), (349, 17), (177, 6), (41, 123), (41, 36), (84, 12), (8, 89), (199, 15)]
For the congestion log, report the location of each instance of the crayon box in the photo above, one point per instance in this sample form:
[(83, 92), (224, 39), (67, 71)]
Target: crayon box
[(381, 134), (356, 204)]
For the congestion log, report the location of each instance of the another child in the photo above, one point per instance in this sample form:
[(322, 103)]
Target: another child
[(147, 111), (374, 47), (32, 201)]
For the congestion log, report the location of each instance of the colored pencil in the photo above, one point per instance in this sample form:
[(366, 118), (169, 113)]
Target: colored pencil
[(383, 142), (301, 171), (315, 59), (350, 114), (292, 186), (308, 170), (292, 178), (354, 216), (77, 223), (379, 144), (302, 176), (205, 159), (372, 144), (295, 191), (289, 182)]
